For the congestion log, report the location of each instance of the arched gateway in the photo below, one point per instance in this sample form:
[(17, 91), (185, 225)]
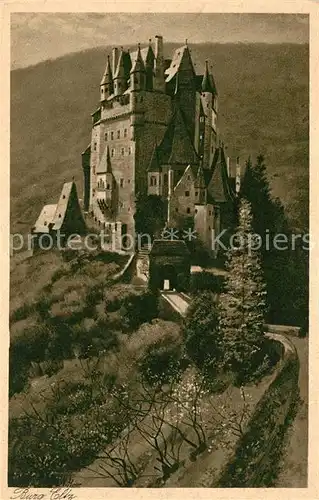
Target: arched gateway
[(169, 264)]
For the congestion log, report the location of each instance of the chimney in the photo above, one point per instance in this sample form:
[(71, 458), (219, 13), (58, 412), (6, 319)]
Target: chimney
[(237, 176), (115, 58), (159, 50)]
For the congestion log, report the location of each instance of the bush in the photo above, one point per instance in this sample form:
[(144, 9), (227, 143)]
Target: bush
[(139, 309), (206, 281), (161, 363)]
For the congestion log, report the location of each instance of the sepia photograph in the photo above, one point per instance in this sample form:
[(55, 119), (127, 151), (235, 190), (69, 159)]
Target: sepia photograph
[(159, 251)]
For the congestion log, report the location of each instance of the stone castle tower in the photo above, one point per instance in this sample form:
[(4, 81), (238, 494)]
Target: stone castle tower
[(155, 132)]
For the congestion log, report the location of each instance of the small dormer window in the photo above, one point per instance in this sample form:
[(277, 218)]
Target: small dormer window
[(186, 193), (188, 177)]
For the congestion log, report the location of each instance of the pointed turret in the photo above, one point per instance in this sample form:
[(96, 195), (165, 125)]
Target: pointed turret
[(208, 84), (120, 76), (149, 66), (106, 84), (200, 186), (138, 72)]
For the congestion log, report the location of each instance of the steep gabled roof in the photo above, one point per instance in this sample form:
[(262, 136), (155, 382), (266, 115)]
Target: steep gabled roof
[(219, 187), (182, 149), (104, 165), (45, 218), (68, 196), (177, 146), (181, 60)]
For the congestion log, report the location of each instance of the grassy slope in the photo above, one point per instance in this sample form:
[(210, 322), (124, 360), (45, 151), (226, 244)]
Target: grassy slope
[(263, 108)]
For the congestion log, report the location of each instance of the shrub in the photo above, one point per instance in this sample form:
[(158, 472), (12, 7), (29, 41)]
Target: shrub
[(206, 281), (161, 363), (139, 309)]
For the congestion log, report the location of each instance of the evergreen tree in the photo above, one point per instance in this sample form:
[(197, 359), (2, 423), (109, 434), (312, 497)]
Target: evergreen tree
[(201, 330), (243, 305), (285, 269)]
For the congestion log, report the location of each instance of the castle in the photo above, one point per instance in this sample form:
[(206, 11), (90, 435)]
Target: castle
[(155, 132)]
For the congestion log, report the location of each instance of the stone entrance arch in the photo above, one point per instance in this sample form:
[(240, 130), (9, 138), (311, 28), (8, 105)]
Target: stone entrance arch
[(169, 277)]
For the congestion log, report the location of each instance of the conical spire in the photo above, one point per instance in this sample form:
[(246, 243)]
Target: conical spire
[(208, 84), (154, 165), (120, 70), (107, 77), (138, 64), (200, 179)]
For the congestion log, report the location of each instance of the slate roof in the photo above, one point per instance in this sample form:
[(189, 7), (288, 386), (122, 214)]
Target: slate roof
[(107, 76), (45, 218), (208, 83), (176, 146), (169, 247), (219, 189), (104, 165), (179, 57)]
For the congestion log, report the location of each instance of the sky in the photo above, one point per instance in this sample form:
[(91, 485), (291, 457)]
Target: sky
[(36, 37)]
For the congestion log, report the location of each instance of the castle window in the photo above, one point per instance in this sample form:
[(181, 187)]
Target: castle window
[(108, 186), (129, 181), (209, 228), (112, 152), (196, 210), (105, 136), (129, 150), (196, 193), (59, 216), (118, 134), (45, 223), (122, 151), (186, 193), (112, 136), (63, 196), (176, 209), (121, 183), (125, 132), (202, 119), (188, 210), (210, 212), (95, 145), (188, 177)]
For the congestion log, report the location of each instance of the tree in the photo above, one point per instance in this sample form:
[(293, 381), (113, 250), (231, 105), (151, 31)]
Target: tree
[(287, 295), (149, 215), (201, 330), (243, 305)]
